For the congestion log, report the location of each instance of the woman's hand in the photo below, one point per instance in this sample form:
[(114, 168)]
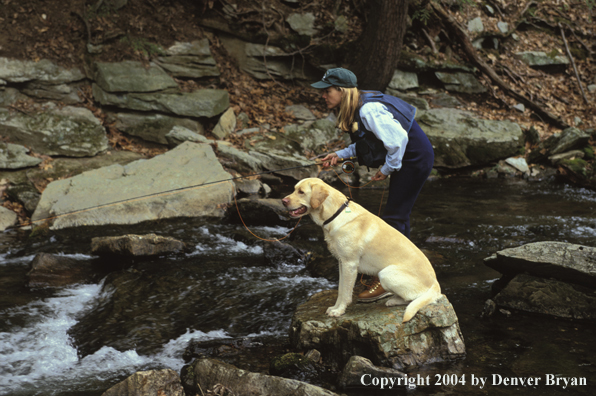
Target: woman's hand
[(379, 176), (330, 160)]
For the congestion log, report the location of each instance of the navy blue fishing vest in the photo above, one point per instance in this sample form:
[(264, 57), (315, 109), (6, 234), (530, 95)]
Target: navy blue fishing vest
[(370, 150)]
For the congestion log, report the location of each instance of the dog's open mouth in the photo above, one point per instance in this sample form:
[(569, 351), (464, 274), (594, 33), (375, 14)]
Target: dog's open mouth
[(298, 212)]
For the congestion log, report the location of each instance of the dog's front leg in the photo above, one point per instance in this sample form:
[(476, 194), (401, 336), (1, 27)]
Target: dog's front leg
[(348, 271)]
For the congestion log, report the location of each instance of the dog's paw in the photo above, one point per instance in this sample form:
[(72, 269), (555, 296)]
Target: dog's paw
[(335, 312)]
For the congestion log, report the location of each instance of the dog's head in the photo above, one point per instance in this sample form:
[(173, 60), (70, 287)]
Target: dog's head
[(308, 196)]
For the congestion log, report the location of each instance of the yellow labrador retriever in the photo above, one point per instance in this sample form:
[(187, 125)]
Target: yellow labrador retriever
[(363, 242)]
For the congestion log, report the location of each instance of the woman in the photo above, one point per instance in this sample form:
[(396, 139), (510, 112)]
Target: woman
[(384, 134)]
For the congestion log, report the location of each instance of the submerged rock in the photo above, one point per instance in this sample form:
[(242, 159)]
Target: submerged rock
[(358, 366), (207, 373), (51, 270), (143, 383), (548, 296), (136, 245), (375, 331)]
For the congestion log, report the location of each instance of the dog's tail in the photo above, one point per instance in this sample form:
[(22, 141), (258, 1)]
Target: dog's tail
[(425, 298)]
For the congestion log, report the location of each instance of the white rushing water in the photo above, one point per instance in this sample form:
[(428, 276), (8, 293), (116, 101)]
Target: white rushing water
[(39, 358)]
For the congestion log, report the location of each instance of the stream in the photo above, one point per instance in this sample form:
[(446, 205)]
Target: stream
[(82, 339)]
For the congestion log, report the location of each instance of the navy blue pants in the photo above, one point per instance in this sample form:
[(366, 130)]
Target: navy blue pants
[(405, 185)]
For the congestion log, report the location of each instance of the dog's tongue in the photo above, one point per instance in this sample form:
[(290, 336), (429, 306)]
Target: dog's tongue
[(298, 211)]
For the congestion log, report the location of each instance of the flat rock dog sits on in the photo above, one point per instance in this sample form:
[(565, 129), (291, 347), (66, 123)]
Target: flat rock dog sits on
[(363, 242)]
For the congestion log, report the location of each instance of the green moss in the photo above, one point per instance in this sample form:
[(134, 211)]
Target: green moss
[(577, 166), (589, 153), (285, 362)]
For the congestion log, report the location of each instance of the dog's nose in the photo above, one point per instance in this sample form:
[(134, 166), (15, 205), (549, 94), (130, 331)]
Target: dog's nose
[(285, 201)]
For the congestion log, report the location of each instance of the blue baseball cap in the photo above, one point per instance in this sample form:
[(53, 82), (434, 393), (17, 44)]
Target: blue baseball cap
[(337, 77)]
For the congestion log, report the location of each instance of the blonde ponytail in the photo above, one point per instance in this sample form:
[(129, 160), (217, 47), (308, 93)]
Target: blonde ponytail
[(350, 102)]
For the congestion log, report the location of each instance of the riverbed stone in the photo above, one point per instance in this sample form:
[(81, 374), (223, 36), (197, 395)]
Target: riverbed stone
[(459, 139), (238, 159), (559, 260), (14, 156), (143, 383), (206, 373), (52, 270), (189, 60), (570, 155), (136, 245), (185, 169), (153, 127), (200, 103), (548, 296), (8, 218), (132, 76), (260, 211), (375, 331), (17, 71), (518, 163), (357, 367)]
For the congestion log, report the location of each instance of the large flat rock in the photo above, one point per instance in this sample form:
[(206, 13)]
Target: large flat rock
[(560, 260), (459, 139), (141, 190), (374, 331)]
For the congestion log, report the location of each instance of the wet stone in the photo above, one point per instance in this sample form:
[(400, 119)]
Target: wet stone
[(136, 245)]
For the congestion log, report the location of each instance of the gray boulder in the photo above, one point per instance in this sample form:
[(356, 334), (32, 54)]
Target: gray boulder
[(301, 112), (539, 58), (113, 191), (548, 296), (201, 103), (559, 260), (136, 245), (8, 218), (144, 383), (179, 135), (560, 142), (402, 80), (459, 139), (51, 270), (237, 159), (69, 131), (461, 82), (375, 331), (132, 76), (189, 60), (17, 71), (570, 155), (208, 373), (14, 156), (153, 127)]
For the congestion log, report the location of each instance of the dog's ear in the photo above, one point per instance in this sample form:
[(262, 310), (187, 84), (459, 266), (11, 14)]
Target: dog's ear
[(318, 195)]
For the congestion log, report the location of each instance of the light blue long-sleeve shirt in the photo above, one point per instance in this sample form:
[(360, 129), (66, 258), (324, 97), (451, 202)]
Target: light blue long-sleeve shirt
[(377, 119)]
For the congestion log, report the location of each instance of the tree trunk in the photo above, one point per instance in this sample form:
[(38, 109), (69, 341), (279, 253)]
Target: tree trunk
[(379, 47)]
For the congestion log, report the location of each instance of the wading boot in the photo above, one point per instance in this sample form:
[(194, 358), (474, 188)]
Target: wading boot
[(375, 292)]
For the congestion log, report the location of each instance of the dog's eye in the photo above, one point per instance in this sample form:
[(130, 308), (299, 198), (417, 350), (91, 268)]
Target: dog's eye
[(300, 192)]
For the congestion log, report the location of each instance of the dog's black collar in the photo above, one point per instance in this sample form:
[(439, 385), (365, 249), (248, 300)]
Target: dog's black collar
[(341, 208)]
